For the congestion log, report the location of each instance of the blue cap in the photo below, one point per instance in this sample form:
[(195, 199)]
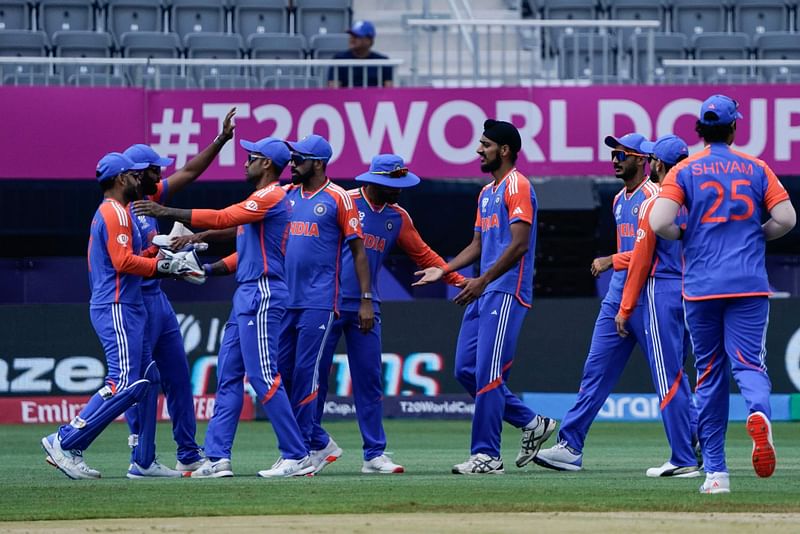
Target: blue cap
[(718, 110), (669, 148), (389, 170), (362, 28), (312, 147), (274, 149), (631, 141), (114, 164), (144, 154)]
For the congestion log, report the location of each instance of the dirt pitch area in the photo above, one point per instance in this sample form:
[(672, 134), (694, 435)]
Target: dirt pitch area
[(569, 522)]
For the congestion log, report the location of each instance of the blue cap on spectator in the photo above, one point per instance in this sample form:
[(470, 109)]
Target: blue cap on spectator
[(631, 141), (114, 163), (144, 154), (362, 28), (274, 149), (312, 147), (718, 110), (389, 170), (669, 148)]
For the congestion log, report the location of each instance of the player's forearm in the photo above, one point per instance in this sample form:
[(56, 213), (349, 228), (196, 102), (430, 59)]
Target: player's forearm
[(196, 166), (468, 256), (782, 219), (217, 236), (662, 219), (177, 214)]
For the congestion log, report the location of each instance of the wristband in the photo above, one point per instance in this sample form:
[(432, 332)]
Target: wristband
[(207, 269), (221, 139), (366, 296)]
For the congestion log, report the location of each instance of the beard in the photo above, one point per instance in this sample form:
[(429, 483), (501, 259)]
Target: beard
[(491, 165), (302, 177), (654, 175), (131, 193)]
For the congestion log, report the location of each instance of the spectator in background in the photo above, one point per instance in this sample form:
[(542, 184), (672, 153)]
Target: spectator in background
[(362, 37)]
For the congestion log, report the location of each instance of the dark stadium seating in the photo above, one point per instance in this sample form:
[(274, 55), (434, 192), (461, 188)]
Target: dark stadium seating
[(586, 57), (315, 17), (722, 46), (197, 16), (778, 45), (133, 16), (666, 46), (65, 15), (260, 17), (15, 15), (276, 46)]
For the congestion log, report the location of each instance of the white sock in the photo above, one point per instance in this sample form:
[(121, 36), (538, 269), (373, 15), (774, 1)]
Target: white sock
[(532, 424)]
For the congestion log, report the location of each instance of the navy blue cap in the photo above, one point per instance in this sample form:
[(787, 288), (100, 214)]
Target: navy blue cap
[(362, 28), (389, 170), (312, 147), (668, 148), (144, 154), (718, 110), (115, 163), (631, 141), (274, 149)]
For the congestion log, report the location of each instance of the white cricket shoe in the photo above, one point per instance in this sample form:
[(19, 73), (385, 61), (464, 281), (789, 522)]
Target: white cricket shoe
[(716, 483), (289, 468), (190, 467), (671, 470), (381, 464), (156, 470), (763, 457), (533, 436), (71, 463), (560, 457), (323, 457), (480, 464), (208, 469)]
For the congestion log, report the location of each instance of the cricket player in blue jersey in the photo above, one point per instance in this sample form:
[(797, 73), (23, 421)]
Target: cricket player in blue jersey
[(727, 195), (497, 301), (162, 325), (118, 316), (384, 223), (609, 352)]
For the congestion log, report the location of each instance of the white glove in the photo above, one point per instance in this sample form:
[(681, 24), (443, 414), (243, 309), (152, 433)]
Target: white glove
[(184, 264), (178, 230)]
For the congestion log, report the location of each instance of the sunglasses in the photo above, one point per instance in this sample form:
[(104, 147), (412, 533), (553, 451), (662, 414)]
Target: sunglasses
[(622, 155), (299, 159), (397, 173), (252, 157)]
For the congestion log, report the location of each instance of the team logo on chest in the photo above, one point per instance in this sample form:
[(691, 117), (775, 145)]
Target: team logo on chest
[(497, 199), (389, 226), (636, 209), (320, 209)]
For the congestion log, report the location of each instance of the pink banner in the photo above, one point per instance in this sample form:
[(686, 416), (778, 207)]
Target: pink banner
[(61, 132)]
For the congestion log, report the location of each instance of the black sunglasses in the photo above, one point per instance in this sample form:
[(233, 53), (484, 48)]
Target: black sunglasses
[(252, 157), (299, 159)]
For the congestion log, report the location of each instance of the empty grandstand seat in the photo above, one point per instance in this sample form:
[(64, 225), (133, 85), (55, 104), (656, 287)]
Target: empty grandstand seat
[(299, 81), (327, 46), (133, 16), (567, 9), (197, 16), (152, 45), (314, 17), (216, 46), (636, 10), (721, 46), (759, 16), (665, 46), (260, 16), (15, 15), (692, 17), (23, 43), (585, 56), (65, 15), (84, 44), (778, 45), (277, 46)]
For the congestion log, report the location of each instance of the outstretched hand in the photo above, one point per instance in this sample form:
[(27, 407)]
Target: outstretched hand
[(227, 125), (429, 276), (150, 208)]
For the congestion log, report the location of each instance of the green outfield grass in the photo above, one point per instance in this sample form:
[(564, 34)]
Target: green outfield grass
[(613, 478)]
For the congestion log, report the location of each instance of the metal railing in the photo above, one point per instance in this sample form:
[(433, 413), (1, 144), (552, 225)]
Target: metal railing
[(189, 72), (516, 52), (737, 70)]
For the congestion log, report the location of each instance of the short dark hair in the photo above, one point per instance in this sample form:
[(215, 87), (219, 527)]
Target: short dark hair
[(668, 166), (717, 133)]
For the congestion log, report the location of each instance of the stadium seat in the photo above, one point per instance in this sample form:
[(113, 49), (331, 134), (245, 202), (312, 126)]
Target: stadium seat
[(152, 45), (133, 16), (314, 17), (586, 56), (665, 46), (197, 16), (291, 81), (327, 46), (15, 15), (758, 16), (65, 15), (84, 44), (567, 9), (636, 10), (721, 46), (260, 16), (216, 46), (276, 46), (22, 43), (778, 45), (692, 17)]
